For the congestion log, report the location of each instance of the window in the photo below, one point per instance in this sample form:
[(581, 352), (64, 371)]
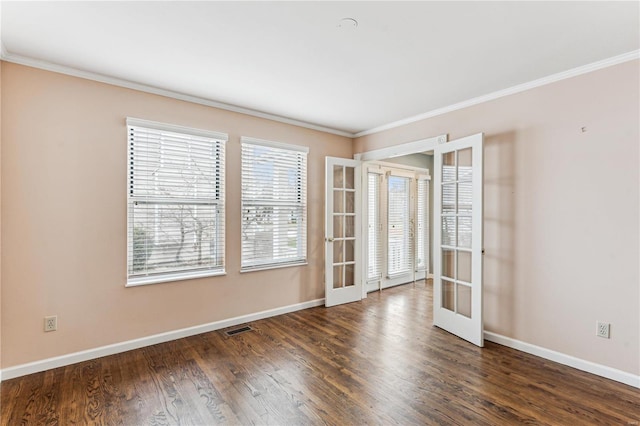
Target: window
[(175, 217), (399, 227), (274, 204), (374, 227), (422, 222)]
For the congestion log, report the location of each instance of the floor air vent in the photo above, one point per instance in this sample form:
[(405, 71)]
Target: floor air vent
[(236, 331)]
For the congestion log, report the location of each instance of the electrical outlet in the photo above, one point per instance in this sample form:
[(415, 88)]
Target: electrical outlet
[(51, 323), (602, 329)]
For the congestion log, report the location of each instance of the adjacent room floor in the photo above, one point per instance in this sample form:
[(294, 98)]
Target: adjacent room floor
[(379, 361)]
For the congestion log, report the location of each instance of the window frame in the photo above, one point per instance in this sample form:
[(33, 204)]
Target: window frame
[(302, 190), (220, 140)]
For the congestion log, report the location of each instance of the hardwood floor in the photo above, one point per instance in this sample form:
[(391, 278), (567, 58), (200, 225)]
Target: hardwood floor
[(378, 361)]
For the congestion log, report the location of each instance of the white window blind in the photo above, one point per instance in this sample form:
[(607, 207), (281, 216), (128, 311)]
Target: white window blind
[(422, 224), (274, 204), (374, 227), (175, 202), (399, 228)]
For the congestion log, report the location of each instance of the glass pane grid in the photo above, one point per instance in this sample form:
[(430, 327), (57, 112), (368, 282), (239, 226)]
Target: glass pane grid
[(456, 227), (343, 226)]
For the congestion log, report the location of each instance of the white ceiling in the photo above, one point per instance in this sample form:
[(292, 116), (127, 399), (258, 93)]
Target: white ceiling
[(291, 59)]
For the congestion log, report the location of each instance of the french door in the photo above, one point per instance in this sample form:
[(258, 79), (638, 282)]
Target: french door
[(343, 282), (457, 254)]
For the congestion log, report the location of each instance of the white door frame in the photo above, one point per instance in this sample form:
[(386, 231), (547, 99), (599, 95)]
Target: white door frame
[(386, 169), (407, 148), (382, 154)]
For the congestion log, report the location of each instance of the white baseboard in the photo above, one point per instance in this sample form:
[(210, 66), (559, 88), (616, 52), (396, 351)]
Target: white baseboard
[(61, 361), (580, 364)]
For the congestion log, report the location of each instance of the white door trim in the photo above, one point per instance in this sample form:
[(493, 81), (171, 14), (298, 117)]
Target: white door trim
[(407, 148)]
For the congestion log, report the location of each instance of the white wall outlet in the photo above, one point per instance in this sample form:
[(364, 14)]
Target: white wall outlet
[(603, 329), (51, 323)]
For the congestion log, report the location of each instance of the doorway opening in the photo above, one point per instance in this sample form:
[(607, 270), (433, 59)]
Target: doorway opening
[(456, 243), (397, 224)]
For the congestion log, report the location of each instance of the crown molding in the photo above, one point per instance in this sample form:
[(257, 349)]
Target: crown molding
[(626, 57), (49, 66)]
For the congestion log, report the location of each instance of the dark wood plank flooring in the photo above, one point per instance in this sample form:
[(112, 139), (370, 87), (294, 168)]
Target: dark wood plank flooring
[(379, 361)]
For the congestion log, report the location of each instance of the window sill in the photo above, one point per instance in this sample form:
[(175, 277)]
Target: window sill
[(135, 282), (267, 267)]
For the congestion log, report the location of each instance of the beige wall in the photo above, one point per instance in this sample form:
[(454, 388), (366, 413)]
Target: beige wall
[(561, 215), (64, 218), (561, 211)]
